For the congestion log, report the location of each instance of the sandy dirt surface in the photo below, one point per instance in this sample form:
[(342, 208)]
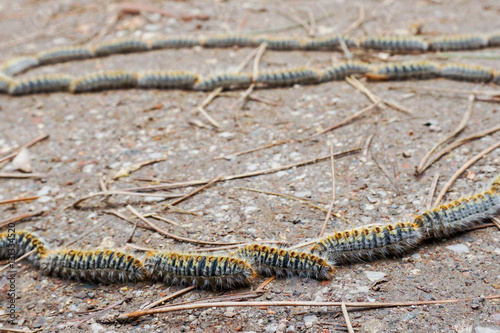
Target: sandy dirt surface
[(92, 136)]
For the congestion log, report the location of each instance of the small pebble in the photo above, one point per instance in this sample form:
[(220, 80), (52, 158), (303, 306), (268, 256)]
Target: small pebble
[(458, 248), (374, 276)]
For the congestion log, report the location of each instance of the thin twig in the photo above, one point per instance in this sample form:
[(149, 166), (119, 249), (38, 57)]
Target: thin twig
[(432, 191), (385, 172), (123, 217), (26, 255), (127, 316), (496, 222), (22, 175), (20, 330), (246, 175), (461, 126), (161, 218), (345, 49), (356, 23), (462, 169), (18, 218), (298, 246), (346, 317), (6, 202), (327, 217), (26, 145), (98, 313), (168, 297), (178, 238), (116, 192), (228, 247), (195, 191), (140, 248), (458, 143)]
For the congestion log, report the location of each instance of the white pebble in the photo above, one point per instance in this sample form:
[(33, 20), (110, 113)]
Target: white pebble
[(458, 248)]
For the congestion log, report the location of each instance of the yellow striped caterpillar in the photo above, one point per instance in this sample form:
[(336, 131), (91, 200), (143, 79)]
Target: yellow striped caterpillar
[(369, 242), (104, 266), (458, 42), (174, 43), (328, 43), (203, 271), (64, 54), (104, 81), (224, 41), (281, 44), (394, 43), (465, 72), (19, 65), (271, 261), (41, 84), (287, 77), (343, 70), (17, 243), (404, 71), (225, 80), (127, 45), (166, 80)]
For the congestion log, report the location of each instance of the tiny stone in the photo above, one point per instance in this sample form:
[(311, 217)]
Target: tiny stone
[(374, 276), (229, 314), (309, 320), (458, 248)]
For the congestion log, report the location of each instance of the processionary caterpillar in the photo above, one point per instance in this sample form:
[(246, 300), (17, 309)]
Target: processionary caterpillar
[(104, 81), (166, 80), (465, 72), (395, 43), (458, 42), (404, 71), (225, 80), (41, 84), (64, 54), (17, 243), (287, 77), (19, 65), (127, 45)]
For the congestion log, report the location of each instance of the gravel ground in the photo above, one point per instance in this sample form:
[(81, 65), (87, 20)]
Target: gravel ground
[(92, 136)]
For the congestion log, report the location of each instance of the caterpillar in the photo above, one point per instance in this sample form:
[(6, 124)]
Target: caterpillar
[(496, 184), (127, 45), (395, 43), (104, 266), (5, 83), (328, 43), (225, 80), (19, 65), (458, 42), (281, 44), (369, 242), (465, 72), (460, 214), (287, 77), (64, 54), (104, 81), (225, 41), (18, 243), (404, 71), (496, 77), (203, 271), (343, 70), (271, 261), (166, 80), (41, 84), (174, 43), (494, 39)]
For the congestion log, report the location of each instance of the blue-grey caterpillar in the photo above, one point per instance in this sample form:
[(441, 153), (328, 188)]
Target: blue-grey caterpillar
[(404, 71), (343, 70), (127, 45), (174, 43), (16, 244), (458, 42), (40, 84), (166, 80), (287, 77), (64, 54), (104, 81), (225, 80), (399, 44), (18, 65), (224, 41), (465, 72)]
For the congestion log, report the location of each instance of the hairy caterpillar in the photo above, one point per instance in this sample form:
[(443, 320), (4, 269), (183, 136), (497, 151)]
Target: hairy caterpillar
[(465, 72), (105, 266), (404, 71), (341, 71), (224, 41), (104, 81), (203, 271), (225, 80), (64, 54), (21, 242), (174, 43), (127, 45), (281, 44), (458, 42), (460, 214), (394, 43), (287, 77), (166, 80), (5, 82), (368, 243), (19, 65), (328, 43), (41, 84), (270, 261)]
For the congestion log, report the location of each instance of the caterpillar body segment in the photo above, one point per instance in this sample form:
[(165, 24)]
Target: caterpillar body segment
[(104, 266), (460, 214), (19, 65), (166, 80), (398, 44), (404, 71), (104, 80), (269, 261), (369, 243), (328, 43), (458, 42), (202, 271), (287, 77), (16, 244), (495, 186), (126, 45), (225, 41), (494, 39), (5, 82), (465, 72), (41, 84), (341, 71), (281, 44), (225, 80), (174, 43), (64, 54)]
